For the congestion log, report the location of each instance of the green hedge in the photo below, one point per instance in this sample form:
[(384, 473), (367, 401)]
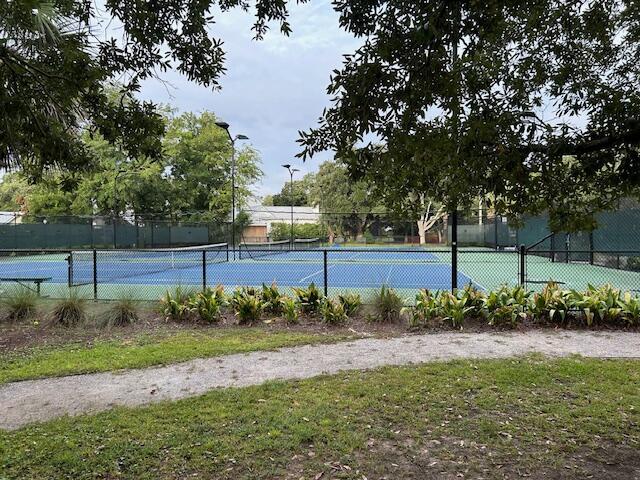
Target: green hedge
[(282, 231)]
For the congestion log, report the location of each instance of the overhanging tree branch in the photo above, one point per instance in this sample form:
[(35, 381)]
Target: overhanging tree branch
[(561, 147)]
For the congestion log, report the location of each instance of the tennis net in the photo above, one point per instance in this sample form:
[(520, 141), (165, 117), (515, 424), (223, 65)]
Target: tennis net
[(117, 264), (263, 249), (306, 243)]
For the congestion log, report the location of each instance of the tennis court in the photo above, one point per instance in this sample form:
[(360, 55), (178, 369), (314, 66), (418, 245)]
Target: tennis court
[(146, 274)]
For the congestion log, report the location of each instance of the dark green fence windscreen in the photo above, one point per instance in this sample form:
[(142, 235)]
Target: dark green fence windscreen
[(103, 232)]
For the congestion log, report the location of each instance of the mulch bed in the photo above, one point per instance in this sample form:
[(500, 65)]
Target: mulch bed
[(32, 333)]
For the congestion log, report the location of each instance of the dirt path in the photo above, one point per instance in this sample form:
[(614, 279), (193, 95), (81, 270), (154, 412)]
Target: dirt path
[(40, 400)]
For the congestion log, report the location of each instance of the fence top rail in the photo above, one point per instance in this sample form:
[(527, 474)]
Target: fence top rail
[(461, 250), (571, 251), (35, 250), (543, 239)]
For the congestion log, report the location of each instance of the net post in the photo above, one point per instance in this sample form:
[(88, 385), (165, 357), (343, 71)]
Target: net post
[(326, 272), (523, 264), (95, 275), (454, 250), (204, 270)]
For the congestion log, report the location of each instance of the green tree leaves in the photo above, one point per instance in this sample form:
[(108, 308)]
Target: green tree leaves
[(58, 58), (347, 207), (192, 178), (298, 195), (198, 165), (574, 63)]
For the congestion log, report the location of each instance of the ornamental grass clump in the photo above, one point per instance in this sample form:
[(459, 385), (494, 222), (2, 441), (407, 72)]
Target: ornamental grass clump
[(69, 311), (387, 305), (120, 313), (18, 304)]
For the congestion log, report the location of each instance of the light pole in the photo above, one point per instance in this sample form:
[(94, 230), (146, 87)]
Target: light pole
[(291, 171), (225, 127)]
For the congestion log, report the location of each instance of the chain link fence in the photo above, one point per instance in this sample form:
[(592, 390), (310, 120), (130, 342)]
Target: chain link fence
[(64, 232), (143, 257)]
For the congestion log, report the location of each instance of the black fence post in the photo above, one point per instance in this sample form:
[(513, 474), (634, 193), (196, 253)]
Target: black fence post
[(95, 275), (204, 270), (553, 248), (590, 248), (523, 265), (326, 273), (566, 248), (70, 270), (454, 250)]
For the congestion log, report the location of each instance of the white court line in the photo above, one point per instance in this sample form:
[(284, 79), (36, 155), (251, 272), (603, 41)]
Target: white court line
[(302, 280), (386, 282), (314, 274)]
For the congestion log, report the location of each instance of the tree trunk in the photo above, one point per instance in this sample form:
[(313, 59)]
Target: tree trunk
[(332, 237), (422, 231), (427, 221)]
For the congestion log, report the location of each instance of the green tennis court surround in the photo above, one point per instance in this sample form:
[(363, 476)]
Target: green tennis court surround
[(146, 274)]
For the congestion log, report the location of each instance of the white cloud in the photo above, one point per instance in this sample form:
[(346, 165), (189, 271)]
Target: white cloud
[(273, 88)]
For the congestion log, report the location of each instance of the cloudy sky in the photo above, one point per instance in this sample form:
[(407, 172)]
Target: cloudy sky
[(272, 88)]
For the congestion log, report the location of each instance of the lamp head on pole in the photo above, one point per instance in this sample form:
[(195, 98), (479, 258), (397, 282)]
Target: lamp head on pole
[(222, 124), (530, 117), (241, 137), (286, 165)]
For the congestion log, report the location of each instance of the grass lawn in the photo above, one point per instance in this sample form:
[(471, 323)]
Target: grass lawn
[(146, 349), (532, 417)]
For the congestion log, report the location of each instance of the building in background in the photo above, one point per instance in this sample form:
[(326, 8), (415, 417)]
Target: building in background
[(262, 218), (10, 218)]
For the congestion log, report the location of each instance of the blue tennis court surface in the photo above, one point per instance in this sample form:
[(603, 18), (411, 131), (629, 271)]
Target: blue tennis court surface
[(351, 269), (146, 274)]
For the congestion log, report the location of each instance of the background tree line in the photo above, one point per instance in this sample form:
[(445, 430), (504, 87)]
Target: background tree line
[(192, 178), (452, 91)]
